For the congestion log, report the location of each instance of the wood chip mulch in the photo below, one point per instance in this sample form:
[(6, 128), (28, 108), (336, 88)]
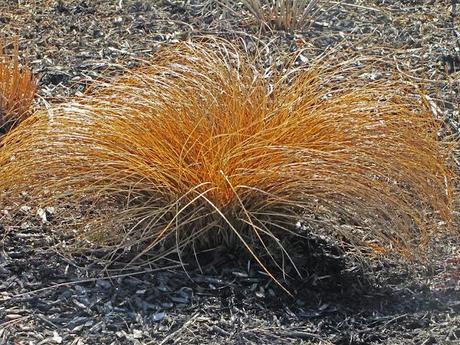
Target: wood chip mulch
[(47, 297)]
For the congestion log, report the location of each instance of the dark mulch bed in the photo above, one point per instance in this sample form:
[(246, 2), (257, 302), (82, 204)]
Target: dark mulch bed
[(47, 297), (51, 298)]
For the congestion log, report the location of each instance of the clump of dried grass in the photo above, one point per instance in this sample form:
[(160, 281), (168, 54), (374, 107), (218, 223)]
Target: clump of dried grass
[(198, 148), (286, 15), (17, 88)]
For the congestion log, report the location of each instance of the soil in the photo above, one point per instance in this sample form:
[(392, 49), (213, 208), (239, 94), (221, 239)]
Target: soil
[(49, 297)]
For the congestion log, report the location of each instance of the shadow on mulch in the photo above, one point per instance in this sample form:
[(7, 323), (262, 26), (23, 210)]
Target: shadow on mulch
[(226, 299)]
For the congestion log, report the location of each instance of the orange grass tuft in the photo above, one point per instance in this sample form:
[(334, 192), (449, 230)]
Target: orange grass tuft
[(198, 147), (17, 89)]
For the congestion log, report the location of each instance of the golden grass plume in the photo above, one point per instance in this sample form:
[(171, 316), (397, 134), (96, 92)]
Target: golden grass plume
[(17, 88), (200, 148)]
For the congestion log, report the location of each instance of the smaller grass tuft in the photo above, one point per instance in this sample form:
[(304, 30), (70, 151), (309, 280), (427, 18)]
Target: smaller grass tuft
[(288, 15), (17, 87)]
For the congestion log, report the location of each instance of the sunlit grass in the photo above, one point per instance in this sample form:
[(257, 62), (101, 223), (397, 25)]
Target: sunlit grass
[(198, 149), (17, 88)]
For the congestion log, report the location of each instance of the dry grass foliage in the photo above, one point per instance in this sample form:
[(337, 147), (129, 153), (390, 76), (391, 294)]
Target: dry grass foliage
[(17, 88), (199, 149), (286, 15)]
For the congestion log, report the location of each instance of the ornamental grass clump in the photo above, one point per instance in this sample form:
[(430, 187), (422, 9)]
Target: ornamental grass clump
[(17, 89), (286, 15), (198, 149)]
